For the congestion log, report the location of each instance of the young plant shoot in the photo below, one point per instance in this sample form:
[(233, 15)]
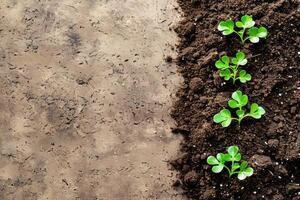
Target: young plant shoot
[(246, 25), (236, 166), (229, 68), (238, 101)]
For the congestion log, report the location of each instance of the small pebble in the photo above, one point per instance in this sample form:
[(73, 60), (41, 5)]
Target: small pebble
[(168, 59), (293, 109)]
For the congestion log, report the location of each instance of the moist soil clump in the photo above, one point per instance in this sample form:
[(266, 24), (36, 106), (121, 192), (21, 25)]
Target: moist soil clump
[(271, 144)]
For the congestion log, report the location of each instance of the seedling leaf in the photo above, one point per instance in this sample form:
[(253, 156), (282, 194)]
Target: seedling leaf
[(262, 32), (240, 113), (239, 24), (233, 104), (233, 150), (223, 63), (239, 100), (211, 160), (246, 22), (248, 171), (244, 76), (227, 27), (219, 156), (245, 171), (256, 111), (241, 176), (234, 153), (238, 157), (256, 33), (223, 117), (235, 166), (240, 59), (226, 74), (218, 168), (217, 162), (223, 157), (244, 165)]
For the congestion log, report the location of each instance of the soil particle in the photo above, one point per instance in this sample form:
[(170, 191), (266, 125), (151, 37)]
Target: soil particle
[(273, 143), (191, 178), (293, 109), (84, 80), (196, 84), (189, 29), (261, 160), (277, 197), (179, 159), (210, 57), (168, 59), (281, 170), (293, 187), (209, 193)]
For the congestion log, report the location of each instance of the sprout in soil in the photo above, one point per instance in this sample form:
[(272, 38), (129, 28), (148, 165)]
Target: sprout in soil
[(245, 25), (237, 166), (229, 68), (238, 101)]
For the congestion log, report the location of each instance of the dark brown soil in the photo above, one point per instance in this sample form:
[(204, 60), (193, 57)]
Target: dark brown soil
[(270, 144)]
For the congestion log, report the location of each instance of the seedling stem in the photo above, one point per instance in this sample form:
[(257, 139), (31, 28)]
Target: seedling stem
[(241, 35)]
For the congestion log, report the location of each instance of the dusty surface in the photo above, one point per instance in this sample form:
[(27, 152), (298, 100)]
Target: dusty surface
[(85, 97), (271, 144)]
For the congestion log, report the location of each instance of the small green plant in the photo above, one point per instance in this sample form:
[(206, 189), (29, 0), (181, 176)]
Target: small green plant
[(245, 25), (229, 68), (239, 100), (234, 157)]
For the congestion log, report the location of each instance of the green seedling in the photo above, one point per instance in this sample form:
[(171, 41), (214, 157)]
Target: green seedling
[(246, 25), (229, 68), (237, 166), (238, 101)]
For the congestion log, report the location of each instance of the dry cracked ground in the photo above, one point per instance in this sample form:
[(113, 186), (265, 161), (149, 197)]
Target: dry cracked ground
[(85, 99)]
